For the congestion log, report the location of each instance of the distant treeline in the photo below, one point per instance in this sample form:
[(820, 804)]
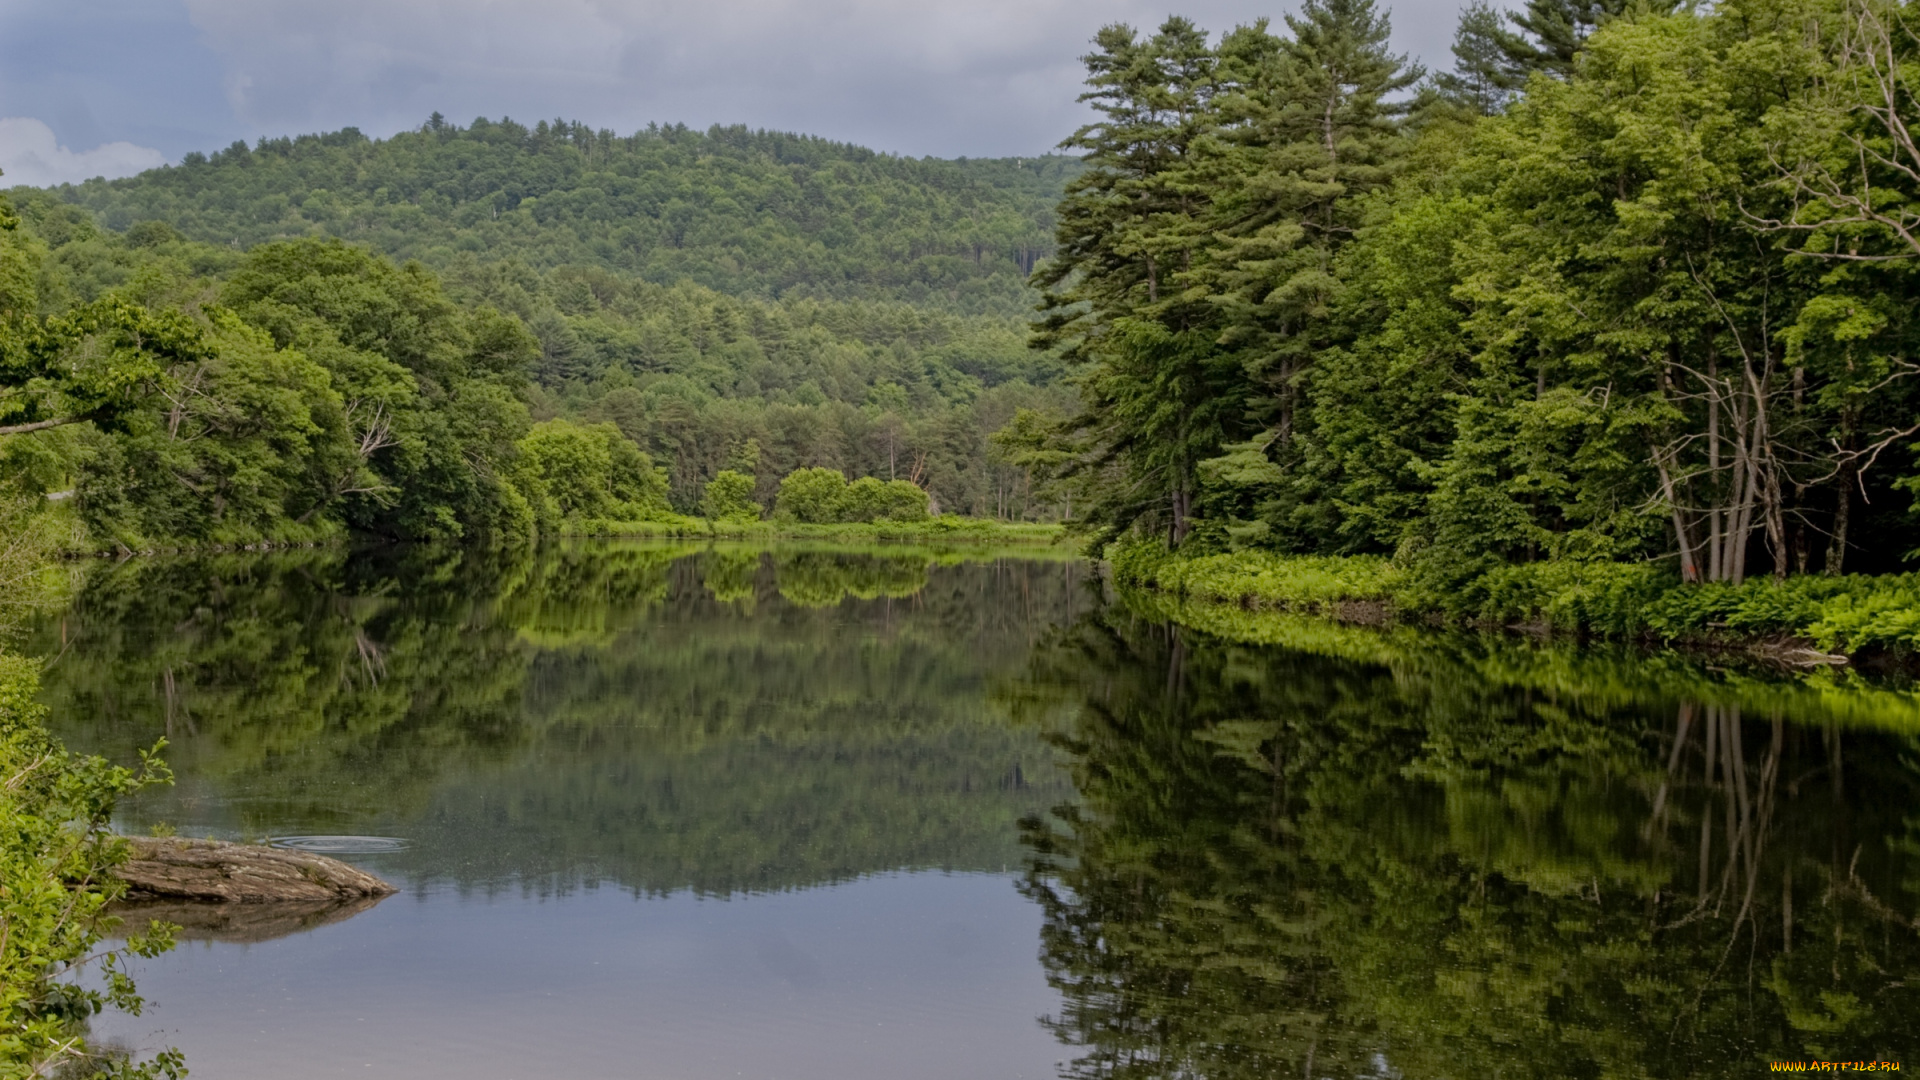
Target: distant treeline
[(747, 213)]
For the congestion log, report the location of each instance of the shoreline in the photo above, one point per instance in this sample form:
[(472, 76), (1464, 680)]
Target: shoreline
[(1807, 624), (946, 530)]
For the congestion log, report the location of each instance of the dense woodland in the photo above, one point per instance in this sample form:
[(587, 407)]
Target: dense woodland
[(746, 213), (318, 385), (1630, 284)]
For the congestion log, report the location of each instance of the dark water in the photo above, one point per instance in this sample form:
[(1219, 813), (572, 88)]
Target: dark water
[(670, 812)]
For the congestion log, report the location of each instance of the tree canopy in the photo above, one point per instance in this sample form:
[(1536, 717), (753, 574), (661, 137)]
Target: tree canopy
[(746, 213), (1643, 294)]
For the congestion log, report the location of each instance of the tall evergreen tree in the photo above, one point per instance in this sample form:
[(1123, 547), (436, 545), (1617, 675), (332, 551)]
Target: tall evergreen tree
[(1484, 77), (1545, 36), (1314, 129), (1158, 390)]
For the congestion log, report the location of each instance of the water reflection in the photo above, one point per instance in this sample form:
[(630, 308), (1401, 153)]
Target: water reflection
[(1340, 853), (661, 717), (1289, 864)]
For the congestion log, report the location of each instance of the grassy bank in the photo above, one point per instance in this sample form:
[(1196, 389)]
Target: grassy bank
[(73, 542), (1849, 614), (933, 530), (1603, 675)]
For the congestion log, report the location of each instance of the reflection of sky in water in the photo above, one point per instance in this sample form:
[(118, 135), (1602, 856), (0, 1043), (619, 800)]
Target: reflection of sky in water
[(923, 975)]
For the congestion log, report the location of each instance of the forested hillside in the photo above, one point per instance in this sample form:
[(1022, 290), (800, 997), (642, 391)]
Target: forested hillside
[(745, 213), (730, 300), (1632, 287)]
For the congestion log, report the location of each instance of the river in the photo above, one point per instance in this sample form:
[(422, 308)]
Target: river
[(684, 812)]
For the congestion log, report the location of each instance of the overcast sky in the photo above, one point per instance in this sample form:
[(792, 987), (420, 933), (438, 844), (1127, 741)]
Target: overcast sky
[(92, 87)]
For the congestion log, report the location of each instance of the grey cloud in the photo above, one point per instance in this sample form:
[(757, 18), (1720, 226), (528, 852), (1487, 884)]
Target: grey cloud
[(981, 77), (102, 71)]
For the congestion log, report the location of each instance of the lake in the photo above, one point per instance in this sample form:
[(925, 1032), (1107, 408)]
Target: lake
[(676, 811)]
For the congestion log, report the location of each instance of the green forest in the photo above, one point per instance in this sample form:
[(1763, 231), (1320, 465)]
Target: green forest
[(1623, 289), (441, 355), (1629, 288)]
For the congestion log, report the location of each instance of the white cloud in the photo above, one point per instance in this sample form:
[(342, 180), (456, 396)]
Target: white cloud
[(29, 154)]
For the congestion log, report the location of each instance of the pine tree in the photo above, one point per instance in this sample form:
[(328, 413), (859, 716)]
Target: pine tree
[(1484, 76), (1156, 387), (1319, 129), (1550, 33)]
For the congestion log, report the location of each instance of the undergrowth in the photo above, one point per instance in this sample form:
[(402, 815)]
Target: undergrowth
[(1848, 613)]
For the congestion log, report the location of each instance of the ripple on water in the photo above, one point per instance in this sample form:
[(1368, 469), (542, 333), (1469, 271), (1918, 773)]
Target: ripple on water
[(340, 845)]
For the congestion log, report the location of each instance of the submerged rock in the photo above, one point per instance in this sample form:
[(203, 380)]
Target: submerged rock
[(246, 924), (175, 868)]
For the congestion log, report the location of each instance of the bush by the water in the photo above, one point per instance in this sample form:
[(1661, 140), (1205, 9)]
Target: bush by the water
[(824, 497), (589, 471), (729, 497), (57, 848)]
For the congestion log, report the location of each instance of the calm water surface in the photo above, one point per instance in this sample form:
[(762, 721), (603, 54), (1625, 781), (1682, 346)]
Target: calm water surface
[(685, 813)]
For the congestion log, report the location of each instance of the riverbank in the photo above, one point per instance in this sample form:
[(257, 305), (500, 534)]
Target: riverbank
[(938, 529), (1809, 620)]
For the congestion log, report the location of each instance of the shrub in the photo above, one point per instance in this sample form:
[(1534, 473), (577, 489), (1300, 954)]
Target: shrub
[(811, 496), (873, 499), (56, 853), (729, 497), (590, 471), (905, 501)]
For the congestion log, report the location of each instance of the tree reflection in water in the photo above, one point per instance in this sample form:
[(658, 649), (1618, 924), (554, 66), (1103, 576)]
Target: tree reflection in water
[(663, 716), (1363, 854), (1283, 864)]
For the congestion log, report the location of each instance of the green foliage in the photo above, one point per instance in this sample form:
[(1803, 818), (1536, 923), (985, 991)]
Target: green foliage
[(1851, 613), (57, 852), (57, 848), (589, 471), (1193, 284), (1256, 578), (729, 497), (1639, 295), (20, 259), (747, 213), (705, 382), (232, 457), (811, 496), (429, 413), (823, 497), (872, 499), (96, 362), (699, 380)]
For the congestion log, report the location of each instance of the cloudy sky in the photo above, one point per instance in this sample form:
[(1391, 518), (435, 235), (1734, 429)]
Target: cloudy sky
[(93, 87)]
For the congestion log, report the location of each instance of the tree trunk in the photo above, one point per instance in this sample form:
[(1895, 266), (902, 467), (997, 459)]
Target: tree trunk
[(1842, 517), (1716, 531)]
